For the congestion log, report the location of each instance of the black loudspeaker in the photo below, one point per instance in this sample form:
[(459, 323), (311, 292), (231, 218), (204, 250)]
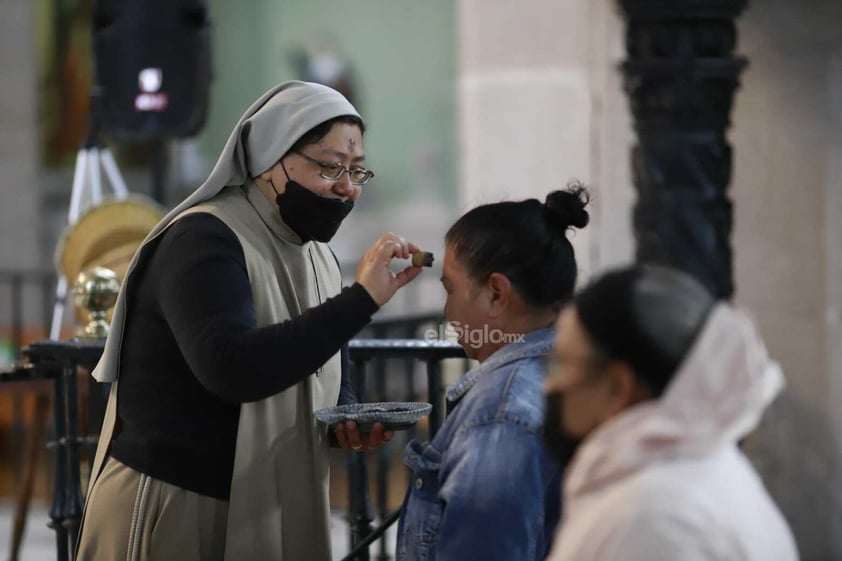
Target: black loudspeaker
[(153, 68)]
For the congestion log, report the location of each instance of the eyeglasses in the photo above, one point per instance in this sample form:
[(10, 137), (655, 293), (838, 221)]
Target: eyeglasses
[(335, 170)]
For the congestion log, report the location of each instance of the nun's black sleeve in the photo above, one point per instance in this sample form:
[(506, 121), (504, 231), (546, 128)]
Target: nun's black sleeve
[(207, 302)]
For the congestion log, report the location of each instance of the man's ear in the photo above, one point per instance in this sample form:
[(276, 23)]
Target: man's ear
[(625, 390), (500, 293)]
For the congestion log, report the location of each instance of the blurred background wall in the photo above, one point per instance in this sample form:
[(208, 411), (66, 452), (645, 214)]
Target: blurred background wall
[(470, 101), (398, 61), (787, 188), (19, 159)]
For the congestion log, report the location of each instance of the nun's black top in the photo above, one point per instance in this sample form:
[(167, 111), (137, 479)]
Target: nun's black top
[(192, 354)]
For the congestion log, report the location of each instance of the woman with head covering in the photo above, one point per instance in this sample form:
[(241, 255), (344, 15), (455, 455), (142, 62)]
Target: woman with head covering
[(652, 385), (226, 336), (484, 487)]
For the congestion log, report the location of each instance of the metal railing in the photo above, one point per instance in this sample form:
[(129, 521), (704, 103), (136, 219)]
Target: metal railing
[(363, 352), (388, 350)]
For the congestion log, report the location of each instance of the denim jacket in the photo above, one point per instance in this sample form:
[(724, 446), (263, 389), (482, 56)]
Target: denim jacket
[(485, 488)]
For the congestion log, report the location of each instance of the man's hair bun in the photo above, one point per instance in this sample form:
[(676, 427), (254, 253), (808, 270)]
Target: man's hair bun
[(566, 208)]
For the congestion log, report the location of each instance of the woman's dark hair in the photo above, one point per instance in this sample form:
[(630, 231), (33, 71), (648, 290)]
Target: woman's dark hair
[(526, 241), (647, 316), (314, 135)]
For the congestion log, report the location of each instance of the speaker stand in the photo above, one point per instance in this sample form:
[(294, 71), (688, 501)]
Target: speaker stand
[(87, 188)]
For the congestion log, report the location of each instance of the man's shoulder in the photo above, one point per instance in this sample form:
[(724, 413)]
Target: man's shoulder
[(512, 394)]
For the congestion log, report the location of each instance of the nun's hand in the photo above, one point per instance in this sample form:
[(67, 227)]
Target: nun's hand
[(353, 440), (373, 271)]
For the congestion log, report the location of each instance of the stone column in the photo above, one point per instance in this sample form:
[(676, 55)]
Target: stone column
[(787, 192), (681, 75), (524, 100)]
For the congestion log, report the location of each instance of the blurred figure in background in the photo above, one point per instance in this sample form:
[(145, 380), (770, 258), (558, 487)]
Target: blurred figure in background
[(484, 488), (651, 386)]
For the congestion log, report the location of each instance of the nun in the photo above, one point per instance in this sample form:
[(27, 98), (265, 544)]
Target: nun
[(230, 330)]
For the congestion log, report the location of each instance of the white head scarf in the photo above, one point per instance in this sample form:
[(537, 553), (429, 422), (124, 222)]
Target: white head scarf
[(265, 132), (717, 396)]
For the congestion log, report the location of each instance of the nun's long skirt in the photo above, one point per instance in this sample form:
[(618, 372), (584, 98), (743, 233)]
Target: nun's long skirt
[(130, 516)]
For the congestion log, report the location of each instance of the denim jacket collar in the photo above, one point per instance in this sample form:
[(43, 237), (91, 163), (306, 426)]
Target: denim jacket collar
[(534, 343)]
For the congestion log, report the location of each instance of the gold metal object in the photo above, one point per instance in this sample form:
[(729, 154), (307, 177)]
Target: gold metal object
[(95, 291)]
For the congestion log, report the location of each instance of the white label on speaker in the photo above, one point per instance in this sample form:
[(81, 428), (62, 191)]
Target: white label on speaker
[(151, 102), (150, 79)]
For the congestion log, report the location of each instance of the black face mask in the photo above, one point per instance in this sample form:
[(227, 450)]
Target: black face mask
[(561, 445), (309, 215)]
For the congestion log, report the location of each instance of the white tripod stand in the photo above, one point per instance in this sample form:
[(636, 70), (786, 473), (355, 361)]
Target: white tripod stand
[(86, 193)]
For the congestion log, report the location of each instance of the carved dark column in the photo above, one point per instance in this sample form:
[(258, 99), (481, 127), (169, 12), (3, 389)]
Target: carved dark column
[(681, 75)]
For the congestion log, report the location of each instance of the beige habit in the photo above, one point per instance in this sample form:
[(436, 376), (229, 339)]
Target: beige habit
[(278, 506)]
